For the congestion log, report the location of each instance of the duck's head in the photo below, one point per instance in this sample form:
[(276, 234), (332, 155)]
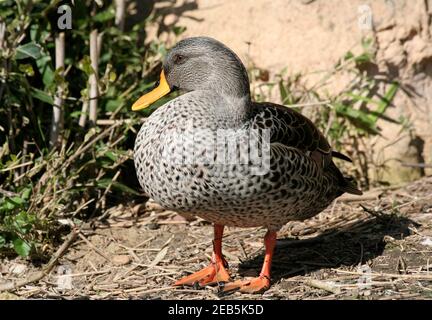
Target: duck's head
[(200, 63)]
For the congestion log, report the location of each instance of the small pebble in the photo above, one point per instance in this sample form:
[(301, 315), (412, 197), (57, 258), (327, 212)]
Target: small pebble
[(121, 260)]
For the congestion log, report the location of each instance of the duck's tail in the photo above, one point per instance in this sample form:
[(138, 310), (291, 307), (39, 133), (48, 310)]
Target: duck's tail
[(345, 184), (349, 187)]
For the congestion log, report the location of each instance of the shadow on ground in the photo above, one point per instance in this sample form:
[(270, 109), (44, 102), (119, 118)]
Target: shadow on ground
[(353, 246), (143, 9)]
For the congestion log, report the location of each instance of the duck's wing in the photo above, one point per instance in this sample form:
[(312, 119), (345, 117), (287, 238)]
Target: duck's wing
[(292, 129)]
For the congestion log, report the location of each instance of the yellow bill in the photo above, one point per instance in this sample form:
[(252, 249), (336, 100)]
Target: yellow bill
[(146, 100)]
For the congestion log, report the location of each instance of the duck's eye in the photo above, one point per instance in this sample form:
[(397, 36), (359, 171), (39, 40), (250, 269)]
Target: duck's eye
[(179, 59)]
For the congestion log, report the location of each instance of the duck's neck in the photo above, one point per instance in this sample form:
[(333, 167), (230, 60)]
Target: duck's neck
[(231, 83), (235, 110)]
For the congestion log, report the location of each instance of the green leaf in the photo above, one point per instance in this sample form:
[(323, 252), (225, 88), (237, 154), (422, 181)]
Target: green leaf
[(112, 76), (111, 155), (23, 222), (85, 65), (366, 43), (178, 30), (76, 114), (385, 101), (34, 32), (45, 69), (26, 193), (364, 57), (41, 95), (2, 241), (26, 69), (112, 105), (357, 97), (284, 92), (104, 15), (28, 50), (359, 118), (21, 247), (10, 204), (349, 55)]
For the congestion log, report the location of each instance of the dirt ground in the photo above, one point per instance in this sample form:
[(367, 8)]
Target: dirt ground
[(382, 250)]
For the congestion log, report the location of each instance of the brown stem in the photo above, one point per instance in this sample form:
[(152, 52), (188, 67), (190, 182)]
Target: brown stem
[(94, 58), (57, 119), (120, 13)]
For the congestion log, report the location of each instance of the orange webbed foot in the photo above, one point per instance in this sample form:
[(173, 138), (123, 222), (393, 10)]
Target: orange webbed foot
[(214, 274), (254, 285)]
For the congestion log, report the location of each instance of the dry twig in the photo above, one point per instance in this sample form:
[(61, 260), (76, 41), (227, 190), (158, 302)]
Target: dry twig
[(323, 285)]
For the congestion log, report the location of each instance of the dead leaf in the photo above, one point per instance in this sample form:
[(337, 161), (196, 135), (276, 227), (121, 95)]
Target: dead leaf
[(159, 257)]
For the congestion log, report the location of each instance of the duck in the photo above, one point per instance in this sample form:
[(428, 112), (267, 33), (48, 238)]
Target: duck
[(214, 153)]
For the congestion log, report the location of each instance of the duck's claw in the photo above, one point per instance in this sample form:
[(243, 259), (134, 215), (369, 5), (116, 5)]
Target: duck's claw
[(254, 285), (214, 274)]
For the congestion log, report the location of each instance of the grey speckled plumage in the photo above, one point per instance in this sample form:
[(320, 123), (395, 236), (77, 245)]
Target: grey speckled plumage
[(301, 182)]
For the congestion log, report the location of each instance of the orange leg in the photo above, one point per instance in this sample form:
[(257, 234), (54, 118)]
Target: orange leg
[(215, 273), (262, 282)]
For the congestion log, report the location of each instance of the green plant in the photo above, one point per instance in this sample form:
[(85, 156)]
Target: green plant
[(40, 184)]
